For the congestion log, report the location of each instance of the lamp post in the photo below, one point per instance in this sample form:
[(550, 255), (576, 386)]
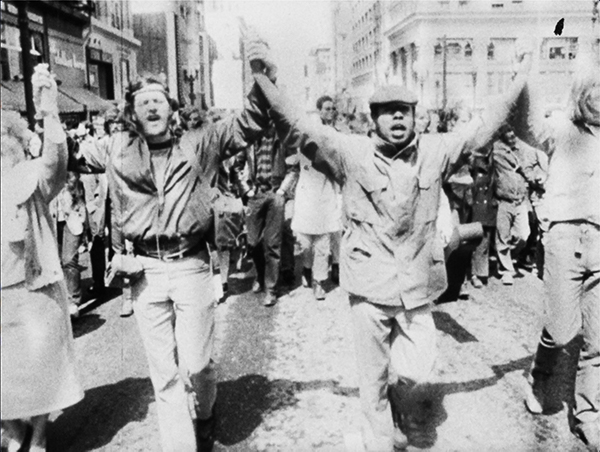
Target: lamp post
[(190, 77)]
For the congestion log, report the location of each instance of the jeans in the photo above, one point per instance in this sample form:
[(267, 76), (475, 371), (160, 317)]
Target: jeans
[(512, 230), (265, 224), (572, 283), (68, 247), (384, 336), (174, 306)]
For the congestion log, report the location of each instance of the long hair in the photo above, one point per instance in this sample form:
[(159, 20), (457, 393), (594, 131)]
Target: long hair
[(128, 110), (580, 106)]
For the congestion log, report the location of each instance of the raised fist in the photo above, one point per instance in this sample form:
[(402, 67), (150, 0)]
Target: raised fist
[(45, 92)]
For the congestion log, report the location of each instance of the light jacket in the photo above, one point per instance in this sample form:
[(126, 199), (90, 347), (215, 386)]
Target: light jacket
[(391, 251), (29, 187), (573, 183), (141, 211), (317, 201)]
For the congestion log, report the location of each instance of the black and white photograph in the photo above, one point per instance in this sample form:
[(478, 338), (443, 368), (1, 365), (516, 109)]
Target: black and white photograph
[(300, 225)]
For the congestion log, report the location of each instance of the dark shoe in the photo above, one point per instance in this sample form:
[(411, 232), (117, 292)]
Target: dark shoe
[(589, 434), (318, 290), (225, 294), (205, 434), (335, 274), (257, 287), (307, 277), (270, 299)]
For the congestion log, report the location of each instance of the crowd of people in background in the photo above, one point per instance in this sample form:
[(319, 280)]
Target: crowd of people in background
[(431, 204)]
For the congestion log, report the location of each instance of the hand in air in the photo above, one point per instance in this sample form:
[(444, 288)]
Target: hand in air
[(45, 92)]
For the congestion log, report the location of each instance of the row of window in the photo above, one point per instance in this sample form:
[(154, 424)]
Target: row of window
[(369, 15), (367, 40), (365, 62)]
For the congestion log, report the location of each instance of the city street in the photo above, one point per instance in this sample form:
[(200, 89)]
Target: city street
[(287, 379)]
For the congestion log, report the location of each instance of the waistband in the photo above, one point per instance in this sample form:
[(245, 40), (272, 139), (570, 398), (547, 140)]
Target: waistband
[(170, 248)]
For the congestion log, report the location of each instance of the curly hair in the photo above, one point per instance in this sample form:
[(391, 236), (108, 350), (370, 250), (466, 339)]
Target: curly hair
[(321, 100)]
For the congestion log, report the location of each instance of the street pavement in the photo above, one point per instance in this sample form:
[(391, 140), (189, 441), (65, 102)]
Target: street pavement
[(287, 377)]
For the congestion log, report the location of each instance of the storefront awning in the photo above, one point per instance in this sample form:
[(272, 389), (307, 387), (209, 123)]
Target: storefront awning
[(15, 99), (91, 101), (11, 100)]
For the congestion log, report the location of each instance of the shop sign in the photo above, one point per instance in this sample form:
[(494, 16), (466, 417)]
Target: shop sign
[(64, 58)]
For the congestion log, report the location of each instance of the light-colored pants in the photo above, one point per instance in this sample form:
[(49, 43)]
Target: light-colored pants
[(174, 306), (512, 230), (385, 335), (572, 283), (315, 254)]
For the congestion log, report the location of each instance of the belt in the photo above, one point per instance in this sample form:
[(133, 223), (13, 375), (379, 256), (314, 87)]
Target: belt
[(170, 249)]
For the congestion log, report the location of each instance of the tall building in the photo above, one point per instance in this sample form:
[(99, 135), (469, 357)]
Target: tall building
[(359, 50), (460, 52), (175, 45), (318, 76), (111, 48), (230, 75)]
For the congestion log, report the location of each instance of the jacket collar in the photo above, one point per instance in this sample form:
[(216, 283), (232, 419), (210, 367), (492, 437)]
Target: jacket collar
[(389, 151)]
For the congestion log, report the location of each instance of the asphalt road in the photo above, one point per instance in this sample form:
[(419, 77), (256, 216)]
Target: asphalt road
[(287, 377)]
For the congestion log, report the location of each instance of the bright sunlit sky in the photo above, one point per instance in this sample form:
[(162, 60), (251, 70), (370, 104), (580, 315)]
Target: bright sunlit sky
[(291, 27)]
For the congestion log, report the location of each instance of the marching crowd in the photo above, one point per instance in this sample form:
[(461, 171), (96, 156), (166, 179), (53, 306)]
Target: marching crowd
[(403, 209)]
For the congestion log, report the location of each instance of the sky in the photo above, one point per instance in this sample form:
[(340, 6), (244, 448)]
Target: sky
[(291, 27)]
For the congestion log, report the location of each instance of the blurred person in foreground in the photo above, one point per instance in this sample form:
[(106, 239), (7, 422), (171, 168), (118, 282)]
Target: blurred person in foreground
[(38, 361), (160, 184), (570, 212), (392, 261)]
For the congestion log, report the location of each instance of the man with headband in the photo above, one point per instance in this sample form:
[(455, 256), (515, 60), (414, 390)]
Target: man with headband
[(161, 187)]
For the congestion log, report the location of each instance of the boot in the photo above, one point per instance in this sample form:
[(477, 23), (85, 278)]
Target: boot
[(335, 274), (542, 368)]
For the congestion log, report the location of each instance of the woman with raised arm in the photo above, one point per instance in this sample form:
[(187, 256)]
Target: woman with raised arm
[(38, 362)]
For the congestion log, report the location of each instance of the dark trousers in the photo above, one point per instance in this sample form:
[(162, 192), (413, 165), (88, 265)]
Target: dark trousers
[(68, 245), (98, 261), (265, 226)]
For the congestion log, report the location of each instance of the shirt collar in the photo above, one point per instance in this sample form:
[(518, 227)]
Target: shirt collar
[(387, 149)]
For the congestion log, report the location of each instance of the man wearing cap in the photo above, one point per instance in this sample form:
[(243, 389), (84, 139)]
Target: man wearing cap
[(392, 260), (161, 185)]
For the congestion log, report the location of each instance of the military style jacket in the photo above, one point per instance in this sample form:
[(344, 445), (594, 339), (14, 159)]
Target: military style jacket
[(391, 252)]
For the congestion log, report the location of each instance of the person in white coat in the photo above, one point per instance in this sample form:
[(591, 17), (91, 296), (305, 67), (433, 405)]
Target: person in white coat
[(317, 215)]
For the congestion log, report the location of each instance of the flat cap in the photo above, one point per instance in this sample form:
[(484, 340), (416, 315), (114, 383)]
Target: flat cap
[(393, 93)]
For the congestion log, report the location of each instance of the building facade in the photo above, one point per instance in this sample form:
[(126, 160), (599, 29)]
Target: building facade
[(176, 45), (459, 53), (359, 49), (318, 76), (111, 49), (58, 32)]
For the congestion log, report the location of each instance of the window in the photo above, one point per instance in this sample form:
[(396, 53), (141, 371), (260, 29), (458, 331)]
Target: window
[(468, 50), (559, 48), (491, 51)]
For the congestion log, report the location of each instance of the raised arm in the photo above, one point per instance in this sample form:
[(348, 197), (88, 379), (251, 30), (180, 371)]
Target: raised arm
[(53, 162), (482, 128)]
